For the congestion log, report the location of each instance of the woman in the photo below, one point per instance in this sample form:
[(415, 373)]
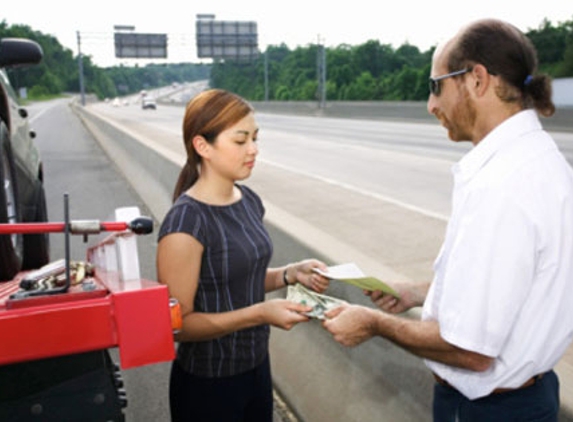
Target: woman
[(213, 253)]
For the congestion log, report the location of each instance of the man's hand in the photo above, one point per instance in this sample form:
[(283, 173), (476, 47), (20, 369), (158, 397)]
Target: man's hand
[(351, 325), (411, 295)]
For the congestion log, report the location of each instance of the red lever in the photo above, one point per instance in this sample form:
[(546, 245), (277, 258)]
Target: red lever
[(140, 225)]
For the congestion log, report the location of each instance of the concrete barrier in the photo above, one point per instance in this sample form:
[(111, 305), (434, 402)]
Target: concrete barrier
[(561, 121)]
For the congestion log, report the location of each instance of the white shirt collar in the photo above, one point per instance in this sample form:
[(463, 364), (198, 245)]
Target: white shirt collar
[(500, 137)]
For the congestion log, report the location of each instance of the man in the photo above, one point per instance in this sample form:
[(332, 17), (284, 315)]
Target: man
[(499, 313)]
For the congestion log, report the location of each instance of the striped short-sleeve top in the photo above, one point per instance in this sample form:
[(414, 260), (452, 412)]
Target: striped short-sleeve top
[(237, 251)]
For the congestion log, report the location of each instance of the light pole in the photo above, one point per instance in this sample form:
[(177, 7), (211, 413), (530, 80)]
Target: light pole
[(81, 71), (267, 74), (321, 73)]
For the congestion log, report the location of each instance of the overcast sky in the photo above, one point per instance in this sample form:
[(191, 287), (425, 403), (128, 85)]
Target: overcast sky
[(293, 22)]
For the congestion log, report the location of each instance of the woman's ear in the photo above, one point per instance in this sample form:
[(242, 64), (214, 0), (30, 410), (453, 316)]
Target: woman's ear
[(201, 145)]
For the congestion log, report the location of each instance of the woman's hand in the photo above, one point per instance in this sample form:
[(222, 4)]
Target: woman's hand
[(282, 313), (303, 272)]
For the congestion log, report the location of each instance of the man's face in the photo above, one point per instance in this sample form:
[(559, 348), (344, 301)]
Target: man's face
[(451, 104)]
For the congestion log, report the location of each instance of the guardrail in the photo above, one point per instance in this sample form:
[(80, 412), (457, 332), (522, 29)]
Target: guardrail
[(561, 121)]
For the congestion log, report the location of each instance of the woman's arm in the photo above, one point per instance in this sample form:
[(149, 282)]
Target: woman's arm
[(178, 266), (298, 272)]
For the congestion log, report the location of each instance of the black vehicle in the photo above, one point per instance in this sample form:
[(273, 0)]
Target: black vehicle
[(22, 197)]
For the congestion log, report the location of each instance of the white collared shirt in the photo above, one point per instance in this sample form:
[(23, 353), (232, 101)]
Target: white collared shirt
[(503, 283)]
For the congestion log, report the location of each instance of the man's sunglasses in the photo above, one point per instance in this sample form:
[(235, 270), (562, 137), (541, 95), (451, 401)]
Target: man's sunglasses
[(435, 83)]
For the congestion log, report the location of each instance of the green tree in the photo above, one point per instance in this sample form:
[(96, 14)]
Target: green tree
[(341, 69), (363, 88), (549, 41)]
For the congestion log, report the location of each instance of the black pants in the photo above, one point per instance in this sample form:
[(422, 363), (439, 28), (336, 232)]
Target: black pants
[(246, 397), (538, 402)]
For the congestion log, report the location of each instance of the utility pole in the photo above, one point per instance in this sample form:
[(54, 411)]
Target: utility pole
[(321, 73), (267, 74), (81, 71)]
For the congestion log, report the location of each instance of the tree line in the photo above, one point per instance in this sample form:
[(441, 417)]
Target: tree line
[(370, 71), (367, 72)]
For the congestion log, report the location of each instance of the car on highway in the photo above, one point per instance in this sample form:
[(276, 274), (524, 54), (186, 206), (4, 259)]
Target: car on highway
[(22, 196), (148, 103)]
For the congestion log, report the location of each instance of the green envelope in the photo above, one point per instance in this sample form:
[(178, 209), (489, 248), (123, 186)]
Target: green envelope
[(351, 274)]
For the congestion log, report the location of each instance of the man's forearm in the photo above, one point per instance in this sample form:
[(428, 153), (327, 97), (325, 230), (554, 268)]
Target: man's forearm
[(423, 339)]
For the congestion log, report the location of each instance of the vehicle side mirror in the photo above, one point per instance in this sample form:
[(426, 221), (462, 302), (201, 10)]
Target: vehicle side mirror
[(19, 52)]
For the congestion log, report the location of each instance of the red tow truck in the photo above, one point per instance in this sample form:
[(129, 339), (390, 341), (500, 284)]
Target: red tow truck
[(60, 319), (58, 322)]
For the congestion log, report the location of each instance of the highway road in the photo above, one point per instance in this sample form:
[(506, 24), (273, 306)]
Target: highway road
[(75, 164), (371, 192)]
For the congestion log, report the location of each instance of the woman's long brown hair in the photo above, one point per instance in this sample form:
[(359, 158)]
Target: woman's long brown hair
[(207, 115)]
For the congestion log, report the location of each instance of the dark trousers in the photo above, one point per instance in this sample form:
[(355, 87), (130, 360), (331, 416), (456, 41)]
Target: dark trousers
[(246, 397), (538, 402)]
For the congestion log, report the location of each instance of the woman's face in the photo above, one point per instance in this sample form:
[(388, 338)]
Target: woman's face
[(234, 151)]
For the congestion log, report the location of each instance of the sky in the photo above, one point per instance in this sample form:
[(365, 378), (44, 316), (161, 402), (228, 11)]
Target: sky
[(292, 22)]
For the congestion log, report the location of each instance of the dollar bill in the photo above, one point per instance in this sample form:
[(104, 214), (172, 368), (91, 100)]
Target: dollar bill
[(320, 303)]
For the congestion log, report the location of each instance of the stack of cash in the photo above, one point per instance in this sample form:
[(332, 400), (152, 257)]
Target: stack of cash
[(320, 303)]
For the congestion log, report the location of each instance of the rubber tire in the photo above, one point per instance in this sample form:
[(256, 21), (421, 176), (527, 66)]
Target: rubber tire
[(37, 246), (11, 246)]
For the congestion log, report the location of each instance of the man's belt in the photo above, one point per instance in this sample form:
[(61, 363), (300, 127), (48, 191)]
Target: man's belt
[(531, 381)]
